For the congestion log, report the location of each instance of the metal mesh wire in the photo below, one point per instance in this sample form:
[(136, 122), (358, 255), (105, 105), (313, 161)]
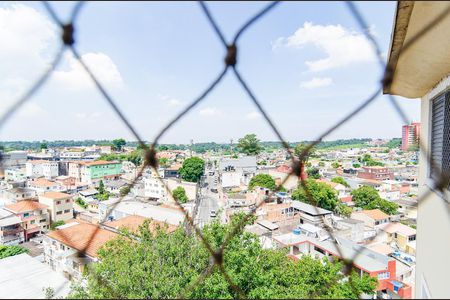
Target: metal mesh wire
[(230, 65)]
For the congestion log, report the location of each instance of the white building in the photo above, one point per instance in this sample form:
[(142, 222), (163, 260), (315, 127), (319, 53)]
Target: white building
[(15, 174), (423, 72), (38, 168), (237, 172)]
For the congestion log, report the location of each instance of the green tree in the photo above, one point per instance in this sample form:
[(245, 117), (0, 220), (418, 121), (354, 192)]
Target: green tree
[(262, 180), (343, 210), (43, 146), (118, 144), (124, 190), (81, 202), (249, 145), (103, 194), (163, 162), (163, 148), (313, 173), (356, 165), (7, 251), (154, 268), (192, 169), (101, 187), (321, 164), (321, 193), (56, 224), (298, 151), (368, 198), (364, 195), (335, 165), (340, 180), (179, 193)]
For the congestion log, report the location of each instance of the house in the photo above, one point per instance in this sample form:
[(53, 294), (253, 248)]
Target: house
[(365, 261), (42, 185), (15, 174), (11, 229), (133, 222), (235, 172), (422, 72), (114, 186), (398, 233), (59, 204), (39, 168), (18, 194), (24, 277), (13, 159), (34, 216), (311, 214), (94, 171), (74, 245), (376, 173), (371, 217)]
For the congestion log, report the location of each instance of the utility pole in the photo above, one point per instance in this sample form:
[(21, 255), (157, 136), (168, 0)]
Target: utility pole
[(231, 146), (192, 144)]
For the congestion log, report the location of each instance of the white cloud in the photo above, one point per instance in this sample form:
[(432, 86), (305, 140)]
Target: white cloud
[(316, 82), (170, 100), (341, 45), (100, 64), (210, 111), (253, 115)]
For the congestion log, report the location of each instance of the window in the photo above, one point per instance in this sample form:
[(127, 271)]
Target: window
[(43, 220), (319, 250), (66, 211), (67, 200), (440, 135), (384, 275), (26, 215), (32, 221), (59, 212), (412, 238), (58, 202)]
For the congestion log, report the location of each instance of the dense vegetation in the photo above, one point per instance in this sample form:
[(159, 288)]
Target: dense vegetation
[(367, 197), (192, 169), (6, 251), (164, 265), (262, 180), (179, 193), (320, 194)]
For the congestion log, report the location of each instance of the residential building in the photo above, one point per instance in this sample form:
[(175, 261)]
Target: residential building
[(34, 216), (410, 136), (399, 234), (39, 168), (376, 173), (311, 214), (42, 185), (11, 230), (59, 204), (94, 171), (372, 217), (18, 194), (365, 261), (13, 159), (15, 174), (237, 171), (74, 245), (423, 72)]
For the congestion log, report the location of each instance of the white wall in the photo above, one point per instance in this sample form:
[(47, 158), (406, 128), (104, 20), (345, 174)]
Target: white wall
[(433, 216)]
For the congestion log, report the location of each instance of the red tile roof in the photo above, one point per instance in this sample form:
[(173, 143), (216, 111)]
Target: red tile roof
[(25, 205), (88, 238), (55, 195)]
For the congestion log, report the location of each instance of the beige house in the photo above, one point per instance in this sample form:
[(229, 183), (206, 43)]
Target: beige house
[(59, 204), (423, 71), (372, 218), (398, 233)]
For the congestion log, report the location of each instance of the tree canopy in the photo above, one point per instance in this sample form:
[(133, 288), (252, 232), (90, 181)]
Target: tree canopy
[(179, 193), (321, 193), (249, 145), (368, 198), (118, 144), (262, 180), (367, 160), (192, 169), (162, 265), (298, 150), (6, 251), (340, 180), (313, 173)]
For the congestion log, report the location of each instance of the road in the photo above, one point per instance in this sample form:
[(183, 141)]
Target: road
[(209, 200)]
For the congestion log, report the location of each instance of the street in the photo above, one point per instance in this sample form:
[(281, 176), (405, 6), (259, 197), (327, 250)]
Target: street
[(209, 201)]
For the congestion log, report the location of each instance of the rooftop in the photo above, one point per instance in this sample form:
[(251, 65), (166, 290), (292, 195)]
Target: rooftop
[(43, 182), (158, 213), (375, 214), (133, 222), (98, 163), (309, 209), (56, 195), (84, 237), (398, 228), (25, 206), (24, 277)]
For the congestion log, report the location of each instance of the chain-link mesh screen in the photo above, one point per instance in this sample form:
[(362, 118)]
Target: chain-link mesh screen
[(68, 43)]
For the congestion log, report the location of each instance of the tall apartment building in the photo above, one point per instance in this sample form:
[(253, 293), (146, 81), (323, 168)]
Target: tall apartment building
[(410, 135), (94, 171), (38, 168)]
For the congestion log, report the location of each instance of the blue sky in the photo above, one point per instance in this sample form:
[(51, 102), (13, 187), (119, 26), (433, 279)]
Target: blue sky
[(307, 62)]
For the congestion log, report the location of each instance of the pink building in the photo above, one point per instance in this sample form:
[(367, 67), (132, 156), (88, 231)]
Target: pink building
[(410, 135)]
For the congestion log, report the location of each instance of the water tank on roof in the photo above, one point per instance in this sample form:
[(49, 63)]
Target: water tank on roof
[(297, 231)]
